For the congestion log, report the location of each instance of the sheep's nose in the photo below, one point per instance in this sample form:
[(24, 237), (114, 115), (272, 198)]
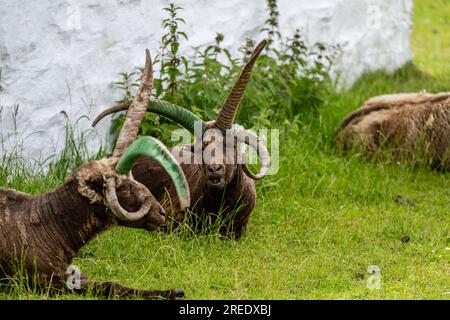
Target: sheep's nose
[(215, 168), (162, 212)]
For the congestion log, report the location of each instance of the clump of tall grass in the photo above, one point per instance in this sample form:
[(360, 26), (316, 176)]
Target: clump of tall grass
[(39, 175), (195, 224)]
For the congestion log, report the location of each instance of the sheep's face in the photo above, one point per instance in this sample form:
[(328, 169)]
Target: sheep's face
[(218, 159), (129, 201), (127, 194)]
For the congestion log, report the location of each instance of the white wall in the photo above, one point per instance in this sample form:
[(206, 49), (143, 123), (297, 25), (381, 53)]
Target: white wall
[(64, 55)]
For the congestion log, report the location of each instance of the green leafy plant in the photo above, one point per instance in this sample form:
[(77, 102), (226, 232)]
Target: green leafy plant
[(290, 83), (126, 84), (170, 58), (271, 22)]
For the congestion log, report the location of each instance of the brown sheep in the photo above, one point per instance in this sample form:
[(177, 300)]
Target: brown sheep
[(411, 125), (218, 186), (44, 233)]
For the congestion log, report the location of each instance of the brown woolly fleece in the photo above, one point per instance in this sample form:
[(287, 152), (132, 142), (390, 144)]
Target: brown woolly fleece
[(411, 125)]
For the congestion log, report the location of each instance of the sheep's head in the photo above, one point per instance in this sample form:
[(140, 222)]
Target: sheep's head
[(221, 151), (109, 184), (220, 140), (218, 158)]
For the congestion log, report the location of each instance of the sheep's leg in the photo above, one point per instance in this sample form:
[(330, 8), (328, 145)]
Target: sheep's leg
[(236, 228), (79, 283), (113, 289)]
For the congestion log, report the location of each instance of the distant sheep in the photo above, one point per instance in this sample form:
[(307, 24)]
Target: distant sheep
[(411, 125)]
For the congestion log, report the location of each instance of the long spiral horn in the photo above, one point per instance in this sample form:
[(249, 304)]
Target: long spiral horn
[(136, 112), (229, 109)]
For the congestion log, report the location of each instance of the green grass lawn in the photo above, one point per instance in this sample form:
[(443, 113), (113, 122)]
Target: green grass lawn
[(320, 222)]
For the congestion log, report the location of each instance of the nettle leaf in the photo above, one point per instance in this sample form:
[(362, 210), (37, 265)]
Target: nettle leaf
[(173, 72), (174, 47), (183, 34)]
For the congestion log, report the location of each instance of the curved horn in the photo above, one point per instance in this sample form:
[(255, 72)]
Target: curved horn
[(229, 109), (136, 112), (121, 107), (154, 149), (175, 113), (118, 210), (251, 139)]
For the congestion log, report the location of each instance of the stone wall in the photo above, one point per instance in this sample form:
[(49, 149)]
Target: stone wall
[(61, 58)]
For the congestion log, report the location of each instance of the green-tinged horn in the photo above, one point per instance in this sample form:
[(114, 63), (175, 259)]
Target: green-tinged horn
[(175, 113), (154, 149)]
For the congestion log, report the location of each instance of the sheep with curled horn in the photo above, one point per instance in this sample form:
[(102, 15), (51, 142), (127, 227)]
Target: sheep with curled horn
[(410, 125), (221, 186), (45, 232)]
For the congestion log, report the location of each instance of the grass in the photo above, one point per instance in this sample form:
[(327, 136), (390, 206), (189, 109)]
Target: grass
[(319, 223), (430, 39)]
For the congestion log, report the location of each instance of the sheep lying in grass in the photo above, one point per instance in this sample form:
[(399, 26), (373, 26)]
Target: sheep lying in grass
[(221, 187), (412, 126), (44, 233)]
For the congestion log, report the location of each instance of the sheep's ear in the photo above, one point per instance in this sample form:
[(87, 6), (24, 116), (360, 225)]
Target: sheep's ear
[(90, 185)]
